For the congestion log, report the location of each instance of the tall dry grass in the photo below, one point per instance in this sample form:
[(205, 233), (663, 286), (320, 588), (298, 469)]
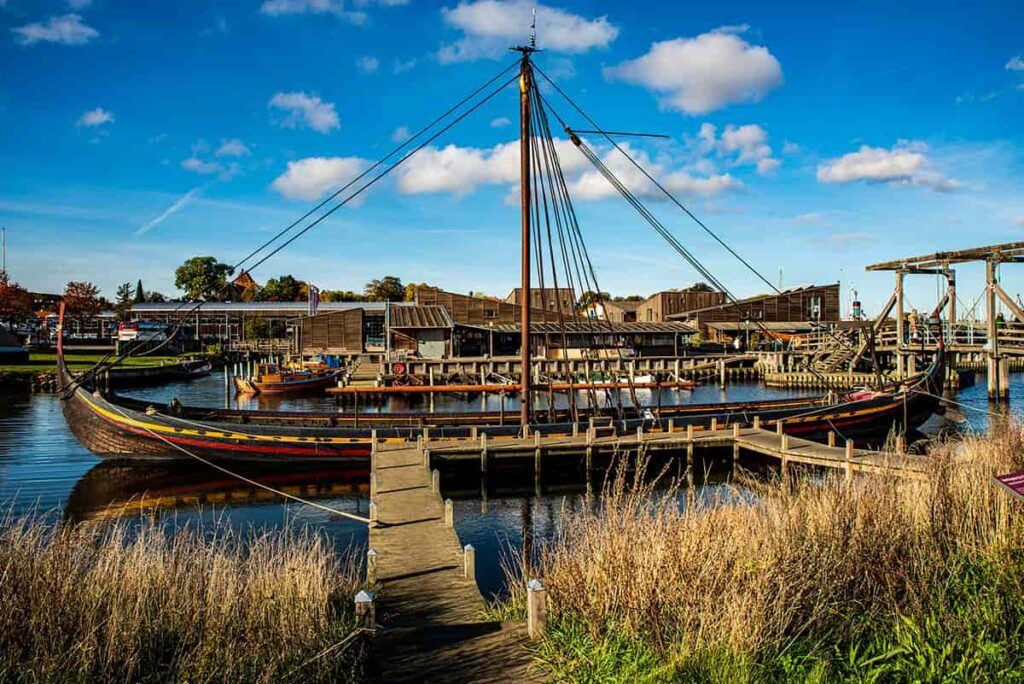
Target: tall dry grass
[(812, 560), (135, 602)]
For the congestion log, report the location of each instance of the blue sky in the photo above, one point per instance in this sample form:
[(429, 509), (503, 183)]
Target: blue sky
[(813, 137)]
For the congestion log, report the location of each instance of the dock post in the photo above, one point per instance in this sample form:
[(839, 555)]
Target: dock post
[(639, 434), (419, 442), (831, 438), (469, 561), (435, 481), (784, 443), (848, 466), (472, 433), (371, 567), (373, 485), (714, 424), (373, 443), (689, 432), (426, 435), (575, 429), (757, 422), (483, 453), (426, 458), (536, 609), (365, 612), (373, 514), (671, 426), (736, 430), (778, 426), (449, 513), (721, 372)]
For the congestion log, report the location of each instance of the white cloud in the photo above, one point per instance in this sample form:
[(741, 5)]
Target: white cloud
[(702, 74), (314, 177), (233, 148), (904, 164), (336, 7), (305, 110), (593, 185), (95, 117), (490, 26), (173, 209), (790, 148), (400, 134), (400, 66), (500, 122), (67, 29), (197, 165), (812, 217), (1015, 64), (368, 64), (739, 145)]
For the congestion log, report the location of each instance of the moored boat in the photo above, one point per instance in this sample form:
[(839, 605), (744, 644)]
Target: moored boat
[(271, 379)]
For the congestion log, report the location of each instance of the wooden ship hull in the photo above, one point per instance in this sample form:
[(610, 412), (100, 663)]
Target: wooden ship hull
[(294, 384), (116, 427)]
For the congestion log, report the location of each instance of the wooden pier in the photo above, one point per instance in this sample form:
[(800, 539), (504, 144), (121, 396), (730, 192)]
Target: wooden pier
[(429, 606)]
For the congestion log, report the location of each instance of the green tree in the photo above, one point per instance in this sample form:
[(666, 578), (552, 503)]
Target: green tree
[(386, 289), (257, 329), (123, 305), (140, 294), (284, 288), (154, 296), (341, 296), (410, 290), (699, 287), (203, 278)]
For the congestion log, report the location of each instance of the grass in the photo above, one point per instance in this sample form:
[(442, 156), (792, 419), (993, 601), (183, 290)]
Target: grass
[(133, 602), (47, 361), (885, 580)]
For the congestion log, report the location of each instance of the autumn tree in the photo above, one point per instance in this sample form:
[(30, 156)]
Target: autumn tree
[(341, 296), (15, 301), (286, 288), (203, 278), (81, 300), (386, 289)]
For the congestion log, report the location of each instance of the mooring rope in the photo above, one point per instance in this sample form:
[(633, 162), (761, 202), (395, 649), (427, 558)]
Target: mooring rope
[(243, 478)]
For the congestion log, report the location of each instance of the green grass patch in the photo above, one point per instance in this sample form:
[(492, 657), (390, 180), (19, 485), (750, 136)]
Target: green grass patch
[(46, 361)]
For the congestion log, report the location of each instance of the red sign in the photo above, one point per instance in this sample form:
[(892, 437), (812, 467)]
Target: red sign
[(1014, 482)]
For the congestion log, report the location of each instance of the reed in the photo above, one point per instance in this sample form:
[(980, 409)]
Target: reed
[(137, 602), (814, 580)]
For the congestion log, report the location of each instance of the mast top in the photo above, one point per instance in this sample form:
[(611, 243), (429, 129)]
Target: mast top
[(531, 45)]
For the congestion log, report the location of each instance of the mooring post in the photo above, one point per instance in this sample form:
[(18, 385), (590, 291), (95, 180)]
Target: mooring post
[(426, 434), (419, 442), (371, 567), (469, 561), (778, 426), (435, 481), (689, 433), (736, 430), (373, 443), (671, 426), (536, 609), (472, 433), (784, 443), (575, 429), (373, 485), (365, 612), (483, 453), (426, 458), (449, 513), (373, 514), (848, 466), (757, 422), (714, 424), (831, 438), (639, 434)]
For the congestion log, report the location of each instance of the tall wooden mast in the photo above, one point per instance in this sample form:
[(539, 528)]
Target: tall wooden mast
[(525, 85)]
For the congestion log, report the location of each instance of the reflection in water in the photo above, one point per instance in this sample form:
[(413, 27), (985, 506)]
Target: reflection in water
[(113, 490), (42, 466)]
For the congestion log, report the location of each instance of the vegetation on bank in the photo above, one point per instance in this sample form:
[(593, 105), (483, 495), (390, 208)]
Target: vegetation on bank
[(886, 580), (134, 602)]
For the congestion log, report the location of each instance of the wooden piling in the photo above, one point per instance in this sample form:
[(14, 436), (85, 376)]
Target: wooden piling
[(449, 513), (365, 611), (536, 609), (371, 567), (435, 481), (469, 564)]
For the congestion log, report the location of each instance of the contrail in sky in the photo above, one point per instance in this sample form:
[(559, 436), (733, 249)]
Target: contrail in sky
[(169, 211)]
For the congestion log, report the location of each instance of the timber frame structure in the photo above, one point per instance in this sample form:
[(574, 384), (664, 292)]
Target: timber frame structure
[(939, 264)]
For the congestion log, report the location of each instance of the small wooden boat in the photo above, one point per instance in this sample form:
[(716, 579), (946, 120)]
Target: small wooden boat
[(271, 379)]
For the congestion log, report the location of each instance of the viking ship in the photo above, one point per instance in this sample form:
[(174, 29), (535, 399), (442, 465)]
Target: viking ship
[(117, 427)]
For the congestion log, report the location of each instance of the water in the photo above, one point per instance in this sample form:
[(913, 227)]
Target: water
[(43, 467)]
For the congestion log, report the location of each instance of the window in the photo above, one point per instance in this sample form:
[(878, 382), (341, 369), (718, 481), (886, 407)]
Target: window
[(650, 315), (490, 313)]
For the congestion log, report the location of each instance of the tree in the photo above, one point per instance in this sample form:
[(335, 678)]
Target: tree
[(410, 290), (257, 329), (123, 305), (341, 296), (140, 294), (387, 289), (203, 278), (284, 288), (81, 300), (699, 287), (15, 301), (629, 298), (154, 296)]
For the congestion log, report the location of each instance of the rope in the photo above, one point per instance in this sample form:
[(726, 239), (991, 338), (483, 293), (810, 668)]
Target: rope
[(958, 403), (243, 478)]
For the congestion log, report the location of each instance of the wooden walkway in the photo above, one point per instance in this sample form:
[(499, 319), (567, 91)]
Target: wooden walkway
[(430, 612), (786, 448)]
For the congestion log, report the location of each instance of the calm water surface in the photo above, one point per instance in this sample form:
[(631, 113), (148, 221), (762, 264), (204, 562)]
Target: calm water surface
[(43, 467)]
